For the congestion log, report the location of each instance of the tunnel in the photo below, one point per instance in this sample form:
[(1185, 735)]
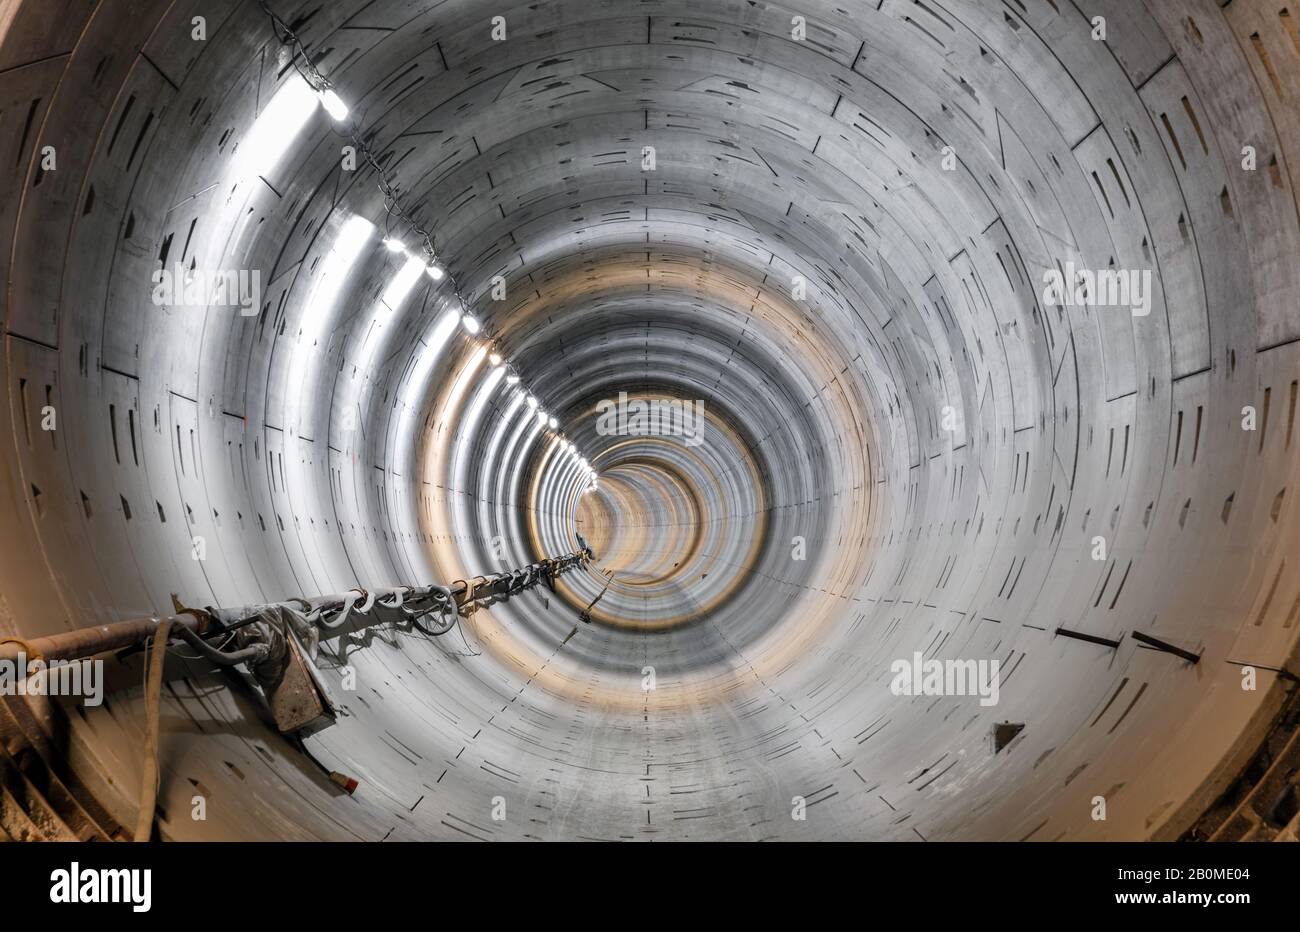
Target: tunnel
[(835, 343)]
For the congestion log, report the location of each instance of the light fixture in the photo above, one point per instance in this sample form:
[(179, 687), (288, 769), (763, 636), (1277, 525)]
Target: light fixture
[(512, 379), (470, 324), (394, 245), (495, 359), (553, 423), (334, 105), (435, 272)]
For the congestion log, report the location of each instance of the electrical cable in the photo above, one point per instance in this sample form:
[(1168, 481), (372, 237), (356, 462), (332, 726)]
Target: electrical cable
[(151, 779)]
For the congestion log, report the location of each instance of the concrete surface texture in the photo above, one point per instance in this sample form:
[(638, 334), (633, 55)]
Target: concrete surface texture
[(830, 223)]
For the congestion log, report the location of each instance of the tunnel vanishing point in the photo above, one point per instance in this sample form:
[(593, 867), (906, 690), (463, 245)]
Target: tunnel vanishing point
[(659, 420)]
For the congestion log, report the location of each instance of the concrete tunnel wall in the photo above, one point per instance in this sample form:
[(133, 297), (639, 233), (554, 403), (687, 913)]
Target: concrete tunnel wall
[(343, 435)]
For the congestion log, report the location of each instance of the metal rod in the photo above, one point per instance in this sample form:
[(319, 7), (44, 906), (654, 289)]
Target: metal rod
[(1166, 647), (1090, 638), (1281, 672), (87, 642)]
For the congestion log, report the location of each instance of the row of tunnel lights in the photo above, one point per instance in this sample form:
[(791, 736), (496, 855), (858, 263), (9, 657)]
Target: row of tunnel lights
[(338, 111)]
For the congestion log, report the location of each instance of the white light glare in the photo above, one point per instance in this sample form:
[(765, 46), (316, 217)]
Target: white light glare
[(275, 129), (532, 402), (495, 359), (435, 272), (552, 423), (402, 283), (334, 105), (394, 245), (512, 379), (345, 252), (470, 324)]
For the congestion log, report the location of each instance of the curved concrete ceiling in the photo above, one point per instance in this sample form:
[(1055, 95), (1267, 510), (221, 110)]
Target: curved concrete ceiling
[(830, 226)]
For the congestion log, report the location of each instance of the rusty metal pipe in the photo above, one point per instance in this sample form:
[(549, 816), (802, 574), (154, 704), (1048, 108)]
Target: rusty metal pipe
[(87, 642)]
